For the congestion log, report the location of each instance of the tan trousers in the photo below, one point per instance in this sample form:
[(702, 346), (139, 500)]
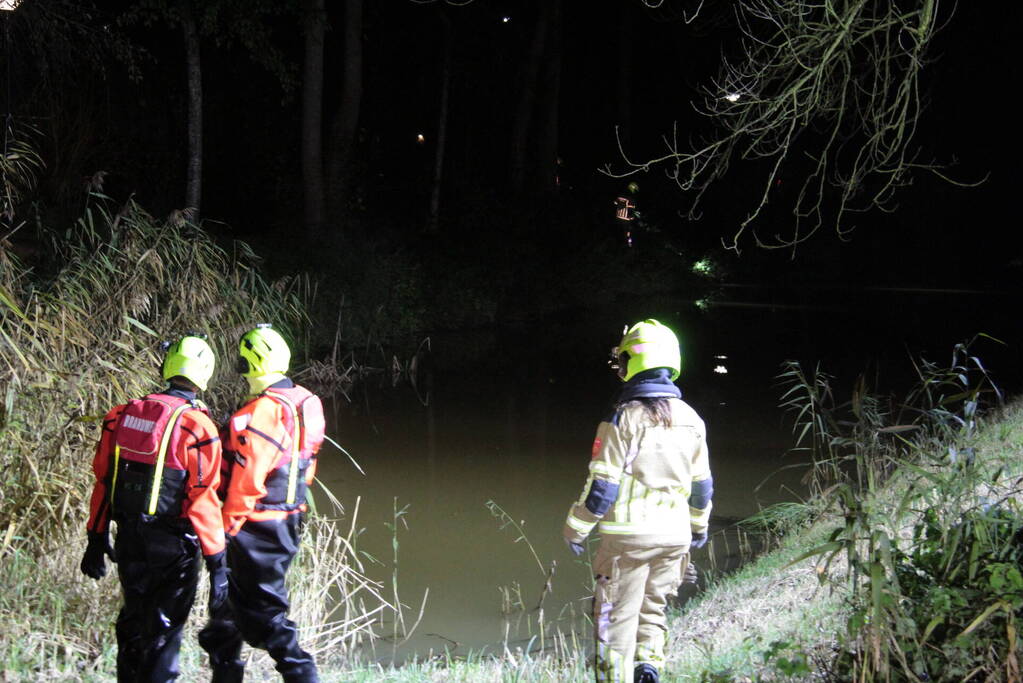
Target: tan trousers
[(632, 589)]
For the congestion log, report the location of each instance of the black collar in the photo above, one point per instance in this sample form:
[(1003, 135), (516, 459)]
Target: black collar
[(655, 383), (179, 392)]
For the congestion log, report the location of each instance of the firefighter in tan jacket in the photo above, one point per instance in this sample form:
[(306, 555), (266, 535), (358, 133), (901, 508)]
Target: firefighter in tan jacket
[(649, 493)]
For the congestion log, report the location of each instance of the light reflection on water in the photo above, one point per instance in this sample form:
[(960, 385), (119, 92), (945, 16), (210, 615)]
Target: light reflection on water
[(520, 435), (526, 449)]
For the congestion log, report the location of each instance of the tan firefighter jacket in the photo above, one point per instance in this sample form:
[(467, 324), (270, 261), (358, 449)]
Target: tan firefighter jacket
[(642, 476)]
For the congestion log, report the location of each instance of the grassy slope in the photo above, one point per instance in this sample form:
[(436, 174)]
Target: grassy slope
[(724, 635), (759, 624)]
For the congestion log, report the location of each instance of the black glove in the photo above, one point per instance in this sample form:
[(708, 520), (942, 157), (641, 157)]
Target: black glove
[(94, 565), (216, 565), (699, 540), (576, 548)]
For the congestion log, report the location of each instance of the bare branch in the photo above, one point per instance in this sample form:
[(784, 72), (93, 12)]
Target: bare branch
[(826, 90)]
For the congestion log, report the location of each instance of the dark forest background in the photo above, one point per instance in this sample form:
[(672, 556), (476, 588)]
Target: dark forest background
[(437, 164)]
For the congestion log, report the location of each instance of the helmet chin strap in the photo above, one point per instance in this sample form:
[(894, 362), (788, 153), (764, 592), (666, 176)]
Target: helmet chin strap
[(257, 385)]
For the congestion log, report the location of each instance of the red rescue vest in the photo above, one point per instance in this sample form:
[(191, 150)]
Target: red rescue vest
[(305, 425), (147, 476)]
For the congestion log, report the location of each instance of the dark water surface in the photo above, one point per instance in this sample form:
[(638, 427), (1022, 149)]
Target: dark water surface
[(515, 426)]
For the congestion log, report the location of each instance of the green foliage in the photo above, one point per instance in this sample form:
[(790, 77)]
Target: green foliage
[(786, 658), (961, 588), (20, 165), (930, 541)]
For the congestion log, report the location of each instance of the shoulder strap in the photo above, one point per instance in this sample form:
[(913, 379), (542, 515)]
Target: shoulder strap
[(296, 441), (154, 494)]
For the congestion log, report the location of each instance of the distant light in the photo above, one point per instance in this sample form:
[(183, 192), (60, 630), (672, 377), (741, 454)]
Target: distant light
[(505, 19), (721, 370), (733, 97), (420, 139), (721, 357), (9, 5), (703, 267)]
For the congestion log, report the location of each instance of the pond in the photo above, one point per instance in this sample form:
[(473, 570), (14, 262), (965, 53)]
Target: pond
[(515, 427)]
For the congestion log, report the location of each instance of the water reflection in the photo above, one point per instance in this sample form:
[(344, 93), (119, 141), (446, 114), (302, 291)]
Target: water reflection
[(518, 432), (524, 445)]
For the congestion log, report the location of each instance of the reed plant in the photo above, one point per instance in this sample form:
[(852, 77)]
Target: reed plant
[(20, 164), (556, 637), (80, 333), (930, 538), (85, 336)]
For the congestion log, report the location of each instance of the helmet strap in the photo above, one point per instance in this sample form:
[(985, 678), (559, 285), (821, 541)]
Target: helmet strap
[(182, 382), (257, 385)]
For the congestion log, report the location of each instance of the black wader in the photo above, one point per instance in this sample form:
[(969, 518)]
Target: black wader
[(257, 610), (158, 566)]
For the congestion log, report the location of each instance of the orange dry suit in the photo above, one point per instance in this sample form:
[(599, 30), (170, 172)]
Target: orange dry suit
[(271, 444), (157, 468)]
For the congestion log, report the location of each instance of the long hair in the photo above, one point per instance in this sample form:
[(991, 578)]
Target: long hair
[(658, 410)]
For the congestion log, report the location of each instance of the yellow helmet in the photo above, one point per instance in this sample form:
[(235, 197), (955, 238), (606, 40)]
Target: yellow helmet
[(192, 358), (646, 345), (263, 351)]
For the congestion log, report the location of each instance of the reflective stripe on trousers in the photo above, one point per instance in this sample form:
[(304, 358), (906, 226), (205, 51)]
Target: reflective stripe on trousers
[(631, 592)]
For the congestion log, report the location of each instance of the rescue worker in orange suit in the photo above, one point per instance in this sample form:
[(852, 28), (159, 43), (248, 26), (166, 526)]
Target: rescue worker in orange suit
[(271, 443), (649, 489), (157, 468)]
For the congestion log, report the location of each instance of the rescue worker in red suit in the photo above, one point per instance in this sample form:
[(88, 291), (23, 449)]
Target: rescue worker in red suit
[(157, 468), (270, 447)]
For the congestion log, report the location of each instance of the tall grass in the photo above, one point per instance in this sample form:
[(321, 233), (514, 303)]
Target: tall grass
[(85, 337), (20, 164), (930, 540), (79, 334)]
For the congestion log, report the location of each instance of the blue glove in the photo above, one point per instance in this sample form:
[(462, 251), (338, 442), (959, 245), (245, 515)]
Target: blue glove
[(576, 548), (699, 540)]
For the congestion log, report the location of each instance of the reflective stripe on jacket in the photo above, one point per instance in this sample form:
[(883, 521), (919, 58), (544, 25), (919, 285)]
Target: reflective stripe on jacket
[(261, 439), (641, 477), (189, 477)]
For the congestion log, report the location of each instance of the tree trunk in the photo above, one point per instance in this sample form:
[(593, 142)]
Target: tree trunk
[(312, 118), (527, 97), (193, 182), (345, 122), (442, 124), (547, 138)]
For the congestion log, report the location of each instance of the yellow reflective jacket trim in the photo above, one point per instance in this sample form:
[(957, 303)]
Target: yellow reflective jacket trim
[(295, 446), (113, 482), (154, 494), (637, 529), (652, 499), (579, 525), (700, 517)]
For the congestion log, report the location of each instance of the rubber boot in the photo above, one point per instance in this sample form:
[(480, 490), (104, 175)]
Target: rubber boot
[(228, 672), (645, 673)]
